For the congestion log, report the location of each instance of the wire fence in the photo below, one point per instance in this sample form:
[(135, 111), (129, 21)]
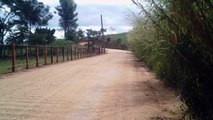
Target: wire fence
[(19, 57)]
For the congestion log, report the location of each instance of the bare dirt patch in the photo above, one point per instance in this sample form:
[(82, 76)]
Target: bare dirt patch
[(108, 87)]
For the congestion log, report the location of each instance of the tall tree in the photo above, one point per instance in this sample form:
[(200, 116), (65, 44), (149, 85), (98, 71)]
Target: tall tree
[(32, 13), (68, 20)]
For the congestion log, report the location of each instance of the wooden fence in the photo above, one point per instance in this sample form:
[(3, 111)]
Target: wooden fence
[(15, 57)]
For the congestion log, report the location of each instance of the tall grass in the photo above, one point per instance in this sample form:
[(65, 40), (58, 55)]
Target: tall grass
[(175, 39)]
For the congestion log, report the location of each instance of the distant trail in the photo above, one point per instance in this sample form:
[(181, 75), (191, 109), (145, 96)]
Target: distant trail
[(113, 86)]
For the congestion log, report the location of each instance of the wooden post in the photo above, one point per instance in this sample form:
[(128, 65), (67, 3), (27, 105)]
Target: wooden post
[(79, 52), (63, 53), (27, 58), (56, 54), (37, 56), (71, 53), (75, 52), (14, 57), (67, 53), (51, 55), (83, 52), (45, 54)]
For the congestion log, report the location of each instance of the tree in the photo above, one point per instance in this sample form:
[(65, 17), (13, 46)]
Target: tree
[(32, 13), (42, 36), (67, 11), (80, 34), (20, 14), (18, 35), (6, 19)]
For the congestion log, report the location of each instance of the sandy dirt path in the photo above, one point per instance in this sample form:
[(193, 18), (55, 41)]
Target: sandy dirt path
[(113, 86)]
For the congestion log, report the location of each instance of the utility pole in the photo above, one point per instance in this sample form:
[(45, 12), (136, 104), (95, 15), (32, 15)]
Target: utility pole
[(102, 28)]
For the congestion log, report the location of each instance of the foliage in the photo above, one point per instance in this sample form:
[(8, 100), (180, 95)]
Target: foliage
[(18, 36), (67, 11), (42, 36), (18, 17), (6, 20), (32, 13), (175, 39), (80, 35), (93, 33)]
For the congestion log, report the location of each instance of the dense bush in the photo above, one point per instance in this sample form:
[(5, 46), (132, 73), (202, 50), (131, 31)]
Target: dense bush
[(175, 39)]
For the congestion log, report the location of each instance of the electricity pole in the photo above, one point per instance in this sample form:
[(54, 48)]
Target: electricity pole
[(102, 28)]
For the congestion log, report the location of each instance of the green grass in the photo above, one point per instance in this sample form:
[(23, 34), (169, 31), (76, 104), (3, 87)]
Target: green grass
[(6, 64)]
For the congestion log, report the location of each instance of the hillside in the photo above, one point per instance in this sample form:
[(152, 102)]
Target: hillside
[(122, 36)]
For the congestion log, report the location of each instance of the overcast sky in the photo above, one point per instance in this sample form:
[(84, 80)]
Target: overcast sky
[(115, 15)]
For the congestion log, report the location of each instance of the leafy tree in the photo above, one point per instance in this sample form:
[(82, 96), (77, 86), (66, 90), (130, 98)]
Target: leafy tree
[(42, 36), (32, 13), (21, 14), (6, 19), (80, 34), (18, 35), (67, 11), (93, 33)]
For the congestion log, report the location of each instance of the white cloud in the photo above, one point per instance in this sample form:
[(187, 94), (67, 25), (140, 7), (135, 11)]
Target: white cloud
[(114, 15)]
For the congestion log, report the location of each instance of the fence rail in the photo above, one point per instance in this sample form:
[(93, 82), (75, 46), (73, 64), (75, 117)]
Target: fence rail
[(17, 57)]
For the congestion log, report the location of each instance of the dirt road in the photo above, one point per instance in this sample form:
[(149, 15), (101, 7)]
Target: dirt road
[(113, 86)]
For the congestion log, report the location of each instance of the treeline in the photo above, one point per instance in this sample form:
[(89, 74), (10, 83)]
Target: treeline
[(175, 39)]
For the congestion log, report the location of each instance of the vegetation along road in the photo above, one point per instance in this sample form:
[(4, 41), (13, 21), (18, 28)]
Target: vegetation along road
[(114, 86)]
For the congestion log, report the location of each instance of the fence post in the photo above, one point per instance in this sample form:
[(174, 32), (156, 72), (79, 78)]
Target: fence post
[(57, 54), (14, 57), (80, 52), (27, 58), (67, 53), (37, 56), (83, 53), (71, 53), (45, 55), (63, 53), (51, 55), (75, 52)]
